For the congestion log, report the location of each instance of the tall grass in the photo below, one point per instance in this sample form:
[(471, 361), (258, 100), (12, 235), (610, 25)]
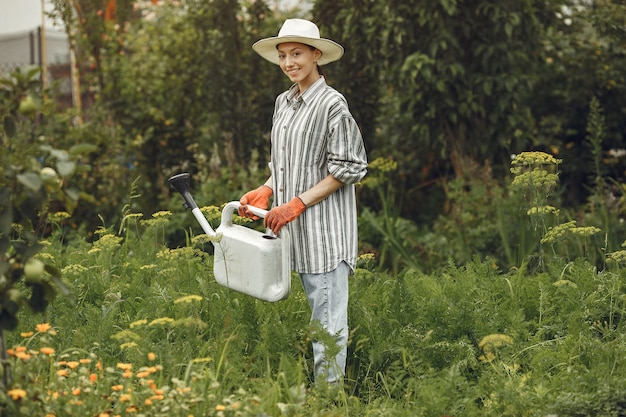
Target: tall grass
[(148, 331)]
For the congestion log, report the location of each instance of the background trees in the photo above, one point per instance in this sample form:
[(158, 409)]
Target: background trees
[(448, 90)]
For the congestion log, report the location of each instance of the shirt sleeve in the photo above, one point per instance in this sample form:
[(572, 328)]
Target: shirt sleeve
[(347, 160)]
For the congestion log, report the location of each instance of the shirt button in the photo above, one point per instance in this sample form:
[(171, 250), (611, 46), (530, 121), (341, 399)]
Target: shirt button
[(282, 169), (285, 127)]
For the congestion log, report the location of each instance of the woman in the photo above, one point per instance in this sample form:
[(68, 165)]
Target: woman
[(317, 155)]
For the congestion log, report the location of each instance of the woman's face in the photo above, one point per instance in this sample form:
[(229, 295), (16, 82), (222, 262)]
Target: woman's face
[(299, 62)]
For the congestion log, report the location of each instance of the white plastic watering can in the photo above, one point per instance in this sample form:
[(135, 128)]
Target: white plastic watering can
[(245, 260)]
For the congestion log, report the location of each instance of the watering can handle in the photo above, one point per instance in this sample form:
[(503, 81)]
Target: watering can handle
[(257, 211), (229, 208)]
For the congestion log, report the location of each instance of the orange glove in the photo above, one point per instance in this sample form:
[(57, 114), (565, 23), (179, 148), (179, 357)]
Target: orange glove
[(258, 198), (279, 216)]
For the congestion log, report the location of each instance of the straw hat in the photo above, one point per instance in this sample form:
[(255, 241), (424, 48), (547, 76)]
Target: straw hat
[(302, 31)]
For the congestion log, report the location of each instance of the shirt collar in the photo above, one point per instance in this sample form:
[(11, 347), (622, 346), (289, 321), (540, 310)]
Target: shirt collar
[(309, 93)]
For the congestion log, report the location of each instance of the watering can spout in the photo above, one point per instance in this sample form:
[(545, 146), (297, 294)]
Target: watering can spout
[(181, 183)]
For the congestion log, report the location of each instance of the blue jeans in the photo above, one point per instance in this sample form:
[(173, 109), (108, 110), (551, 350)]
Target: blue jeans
[(328, 298)]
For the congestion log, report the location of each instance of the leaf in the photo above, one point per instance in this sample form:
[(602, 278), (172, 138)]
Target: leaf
[(30, 180), (82, 148), (65, 167), (9, 126)]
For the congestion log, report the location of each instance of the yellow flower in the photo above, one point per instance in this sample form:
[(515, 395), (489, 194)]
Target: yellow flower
[(125, 398), (125, 366), (220, 407), (26, 335), (188, 299), (117, 387), (17, 394), (151, 356)]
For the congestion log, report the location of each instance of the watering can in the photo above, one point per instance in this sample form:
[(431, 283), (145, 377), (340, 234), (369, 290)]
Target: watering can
[(245, 260)]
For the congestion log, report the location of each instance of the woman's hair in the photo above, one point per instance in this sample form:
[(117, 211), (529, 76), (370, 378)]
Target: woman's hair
[(319, 69)]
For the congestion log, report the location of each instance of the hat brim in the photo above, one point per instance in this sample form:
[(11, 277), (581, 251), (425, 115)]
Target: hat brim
[(331, 50)]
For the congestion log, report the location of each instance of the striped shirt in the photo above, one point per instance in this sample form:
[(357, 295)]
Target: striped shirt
[(314, 136)]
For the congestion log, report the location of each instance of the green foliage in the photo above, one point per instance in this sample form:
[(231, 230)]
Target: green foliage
[(34, 180), (149, 328)]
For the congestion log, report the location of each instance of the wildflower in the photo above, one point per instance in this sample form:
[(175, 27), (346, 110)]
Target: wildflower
[(125, 398), (161, 320), (162, 213), (76, 391), (93, 378), (43, 327), (565, 283), (23, 355), (494, 341), (128, 345), (75, 269), (151, 356), (220, 407), (132, 409), (143, 374), (535, 158), (125, 366), (138, 323), (17, 394), (148, 402), (150, 266), (84, 361), (47, 351), (127, 374), (384, 164), (188, 299), (62, 372), (108, 242), (72, 364), (117, 387), (26, 335)]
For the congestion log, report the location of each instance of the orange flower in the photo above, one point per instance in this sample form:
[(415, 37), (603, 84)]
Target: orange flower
[(147, 403), (99, 366), (125, 398), (157, 397), (143, 374), (93, 378), (117, 387), (27, 334), (151, 356), (220, 407), (43, 327), (85, 361), (76, 391), (17, 394), (62, 372), (125, 366), (127, 374), (72, 364), (23, 356), (47, 350)]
